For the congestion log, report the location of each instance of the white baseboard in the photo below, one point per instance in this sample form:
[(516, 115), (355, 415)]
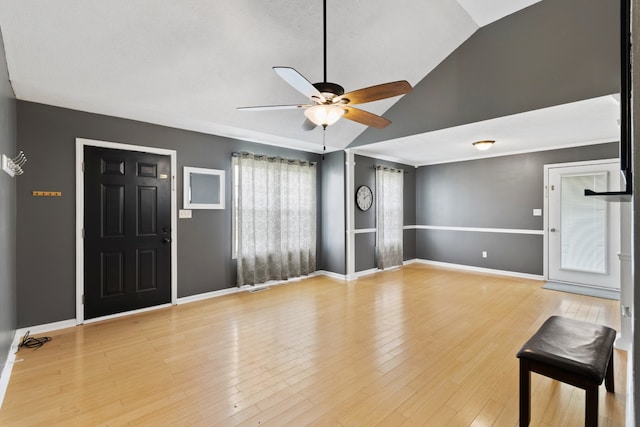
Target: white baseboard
[(207, 295), (229, 291), (126, 313), (622, 342), (332, 274), (47, 327), (453, 266), (481, 269), (363, 273), (374, 270), (8, 367)]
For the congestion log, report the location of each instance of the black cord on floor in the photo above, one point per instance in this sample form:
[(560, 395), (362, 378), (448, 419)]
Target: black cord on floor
[(34, 343)]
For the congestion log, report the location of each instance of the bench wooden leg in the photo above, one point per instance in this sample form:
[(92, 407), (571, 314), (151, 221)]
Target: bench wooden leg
[(608, 379), (591, 407), (525, 393)]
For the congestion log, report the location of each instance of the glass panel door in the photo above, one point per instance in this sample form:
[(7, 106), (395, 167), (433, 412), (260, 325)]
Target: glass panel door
[(583, 224), (583, 233)]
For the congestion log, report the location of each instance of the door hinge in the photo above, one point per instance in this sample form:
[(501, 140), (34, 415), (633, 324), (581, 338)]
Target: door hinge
[(82, 166), (82, 299), (83, 232)]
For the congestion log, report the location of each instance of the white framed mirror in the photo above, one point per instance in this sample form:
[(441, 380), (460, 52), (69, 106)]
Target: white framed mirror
[(203, 188)]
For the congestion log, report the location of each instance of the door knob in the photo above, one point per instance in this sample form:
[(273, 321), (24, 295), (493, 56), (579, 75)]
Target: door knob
[(166, 240), (553, 230)]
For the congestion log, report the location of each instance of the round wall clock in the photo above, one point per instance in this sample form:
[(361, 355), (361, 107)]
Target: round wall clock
[(364, 197)]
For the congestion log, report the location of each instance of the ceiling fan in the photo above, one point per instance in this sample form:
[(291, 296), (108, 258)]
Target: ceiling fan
[(328, 101)]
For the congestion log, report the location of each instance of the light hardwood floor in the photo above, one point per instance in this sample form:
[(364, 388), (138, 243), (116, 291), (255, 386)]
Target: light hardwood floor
[(415, 346)]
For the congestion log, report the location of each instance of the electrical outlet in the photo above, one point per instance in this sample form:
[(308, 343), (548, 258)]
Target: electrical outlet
[(484, 254), (184, 213), (537, 212)]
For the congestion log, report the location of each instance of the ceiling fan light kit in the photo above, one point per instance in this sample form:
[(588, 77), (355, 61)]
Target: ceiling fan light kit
[(329, 102), (483, 145), (324, 115)]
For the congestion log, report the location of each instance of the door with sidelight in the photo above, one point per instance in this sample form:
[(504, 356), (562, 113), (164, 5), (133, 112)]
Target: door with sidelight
[(583, 232)]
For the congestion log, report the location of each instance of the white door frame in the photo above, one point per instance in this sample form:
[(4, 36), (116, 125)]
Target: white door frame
[(80, 144), (545, 259)]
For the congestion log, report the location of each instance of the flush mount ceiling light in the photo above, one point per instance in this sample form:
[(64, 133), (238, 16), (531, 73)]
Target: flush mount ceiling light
[(483, 145)]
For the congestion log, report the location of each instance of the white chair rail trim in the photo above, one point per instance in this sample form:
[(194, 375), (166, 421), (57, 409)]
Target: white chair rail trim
[(450, 228)]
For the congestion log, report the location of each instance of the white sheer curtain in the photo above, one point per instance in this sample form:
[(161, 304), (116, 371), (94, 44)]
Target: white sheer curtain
[(389, 189), (275, 218)]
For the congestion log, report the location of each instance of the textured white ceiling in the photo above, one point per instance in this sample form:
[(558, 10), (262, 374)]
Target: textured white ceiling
[(580, 123), (189, 64)]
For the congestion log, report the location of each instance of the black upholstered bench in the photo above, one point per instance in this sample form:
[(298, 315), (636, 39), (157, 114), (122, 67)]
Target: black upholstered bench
[(575, 352)]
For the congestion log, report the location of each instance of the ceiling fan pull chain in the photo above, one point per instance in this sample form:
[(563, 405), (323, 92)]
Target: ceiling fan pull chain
[(324, 135)]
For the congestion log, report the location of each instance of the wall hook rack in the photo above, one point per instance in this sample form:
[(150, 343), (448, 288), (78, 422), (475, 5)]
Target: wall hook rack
[(14, 166)]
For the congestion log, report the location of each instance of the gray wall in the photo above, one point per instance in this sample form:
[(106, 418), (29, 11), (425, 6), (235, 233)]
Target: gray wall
[(8, 145), (498, 192), (365, 174), (46, 225), (333, 213), (553, 52)]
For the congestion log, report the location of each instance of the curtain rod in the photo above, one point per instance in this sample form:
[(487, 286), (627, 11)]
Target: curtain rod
[(272, 158), (389, 168)]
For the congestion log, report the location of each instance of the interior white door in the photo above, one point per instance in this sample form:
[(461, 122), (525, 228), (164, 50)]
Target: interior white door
[(583, 232)]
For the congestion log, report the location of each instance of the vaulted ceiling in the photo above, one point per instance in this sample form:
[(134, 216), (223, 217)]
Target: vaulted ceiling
[(189, 64)]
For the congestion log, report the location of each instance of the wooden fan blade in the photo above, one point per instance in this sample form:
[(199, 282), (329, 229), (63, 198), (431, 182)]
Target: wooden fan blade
[(299, 83), (273, 107), (375, 93), (365, 118), (308, 125)]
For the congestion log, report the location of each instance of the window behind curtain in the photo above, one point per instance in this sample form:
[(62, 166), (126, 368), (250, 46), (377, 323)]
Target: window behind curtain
[(274, 218)]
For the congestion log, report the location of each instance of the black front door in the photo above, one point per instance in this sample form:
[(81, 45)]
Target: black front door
[(127, 238)]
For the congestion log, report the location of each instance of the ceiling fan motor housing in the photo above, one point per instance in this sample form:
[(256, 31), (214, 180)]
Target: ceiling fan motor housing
[(329, 88)]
